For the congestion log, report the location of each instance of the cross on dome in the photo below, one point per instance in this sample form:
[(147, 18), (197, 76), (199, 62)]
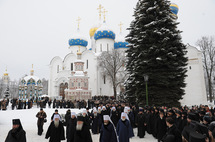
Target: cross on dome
[(104, 12), (120, 25), (100, 11), (79, 19)]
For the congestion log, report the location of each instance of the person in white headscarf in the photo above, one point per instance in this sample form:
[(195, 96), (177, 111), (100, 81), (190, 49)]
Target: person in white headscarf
[(104, 112), (114, 116), (86, 118), (55, 130), (124, 129), (96, 122), (108, 132), (71, 128)]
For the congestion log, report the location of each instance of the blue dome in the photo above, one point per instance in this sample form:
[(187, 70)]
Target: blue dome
[(174, 8), (120, 44), (90, 49), (78, 42), (104, 34)]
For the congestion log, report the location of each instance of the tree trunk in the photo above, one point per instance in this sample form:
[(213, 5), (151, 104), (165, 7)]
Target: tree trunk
[(210, 89)]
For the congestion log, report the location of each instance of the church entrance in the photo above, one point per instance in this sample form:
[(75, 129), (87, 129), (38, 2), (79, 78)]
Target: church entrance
[(63, 86)]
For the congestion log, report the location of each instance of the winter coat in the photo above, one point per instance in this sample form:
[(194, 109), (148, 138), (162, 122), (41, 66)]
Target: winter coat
[(108, 133), (16, 135), (70, 130), (124, 130), (40, 116), (55, 134)]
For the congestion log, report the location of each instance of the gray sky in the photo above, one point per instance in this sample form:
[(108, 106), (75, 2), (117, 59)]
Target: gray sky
[(35, 31)]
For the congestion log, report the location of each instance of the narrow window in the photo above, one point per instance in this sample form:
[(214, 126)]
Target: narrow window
[(107, 47), (101, 47), (57, 68), (104, 79), (190, 67), (71, 66), (79, 84), (87, 64)]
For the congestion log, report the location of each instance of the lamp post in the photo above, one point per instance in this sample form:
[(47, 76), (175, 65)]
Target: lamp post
[(146, 78)]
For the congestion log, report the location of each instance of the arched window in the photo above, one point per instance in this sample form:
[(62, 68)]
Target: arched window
[(71, 66)]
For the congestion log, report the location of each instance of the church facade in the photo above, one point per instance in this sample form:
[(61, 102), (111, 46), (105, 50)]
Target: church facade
[(64, 73)]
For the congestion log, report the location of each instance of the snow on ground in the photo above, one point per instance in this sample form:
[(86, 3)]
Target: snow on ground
[(29, 122)]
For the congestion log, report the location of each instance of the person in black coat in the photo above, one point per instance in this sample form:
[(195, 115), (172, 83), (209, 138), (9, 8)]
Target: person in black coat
[(141, 123), (108, 132), (41, 115), (67, 117), (82, 133), (172, 130), (71, 128), (96, 122), (160, 126), (178, 120), (55, 130), (114, 116), (17, 134)]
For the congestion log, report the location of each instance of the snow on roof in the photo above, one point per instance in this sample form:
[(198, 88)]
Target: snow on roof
[(31, 77)]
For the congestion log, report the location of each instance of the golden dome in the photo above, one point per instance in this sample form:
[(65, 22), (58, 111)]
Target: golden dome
[(92, 31), (5, 74)]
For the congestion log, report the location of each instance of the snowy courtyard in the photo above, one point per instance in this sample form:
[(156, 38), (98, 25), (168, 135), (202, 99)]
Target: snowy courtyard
[(29, 123)]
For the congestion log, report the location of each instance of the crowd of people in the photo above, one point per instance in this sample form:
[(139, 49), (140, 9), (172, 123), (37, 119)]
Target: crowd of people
[(115, 122)]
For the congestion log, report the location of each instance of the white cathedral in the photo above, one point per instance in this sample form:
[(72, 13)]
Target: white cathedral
[(78, 75)]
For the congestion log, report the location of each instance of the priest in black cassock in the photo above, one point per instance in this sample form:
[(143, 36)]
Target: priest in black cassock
[(55, 130), (141, 124), (71, 128), (124, 129), (114, 116), (17, 134), (96, 122), (108, 132), (82, 133), (160, 126)]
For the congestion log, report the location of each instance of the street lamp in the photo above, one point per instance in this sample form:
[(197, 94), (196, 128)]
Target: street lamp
[(146, 78)]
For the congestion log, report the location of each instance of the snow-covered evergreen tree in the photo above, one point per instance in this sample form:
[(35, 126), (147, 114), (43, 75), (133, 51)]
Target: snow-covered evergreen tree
[(155, 49)]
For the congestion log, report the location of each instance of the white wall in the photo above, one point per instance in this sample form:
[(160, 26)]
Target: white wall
[(195, 91)]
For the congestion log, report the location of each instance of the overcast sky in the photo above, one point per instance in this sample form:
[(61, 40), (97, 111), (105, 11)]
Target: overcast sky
[(35, 31)]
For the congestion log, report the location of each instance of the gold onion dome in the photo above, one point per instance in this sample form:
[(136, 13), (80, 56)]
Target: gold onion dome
[(6, 73), (92, 31)]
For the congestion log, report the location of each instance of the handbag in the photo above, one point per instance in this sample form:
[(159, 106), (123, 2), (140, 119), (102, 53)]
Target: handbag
[(45, 120)]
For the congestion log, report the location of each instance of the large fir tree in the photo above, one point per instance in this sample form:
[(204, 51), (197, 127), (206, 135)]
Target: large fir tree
[(155, 49)]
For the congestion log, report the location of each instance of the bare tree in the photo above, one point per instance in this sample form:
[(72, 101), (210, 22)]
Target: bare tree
[(112, 65), (207, 46)]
